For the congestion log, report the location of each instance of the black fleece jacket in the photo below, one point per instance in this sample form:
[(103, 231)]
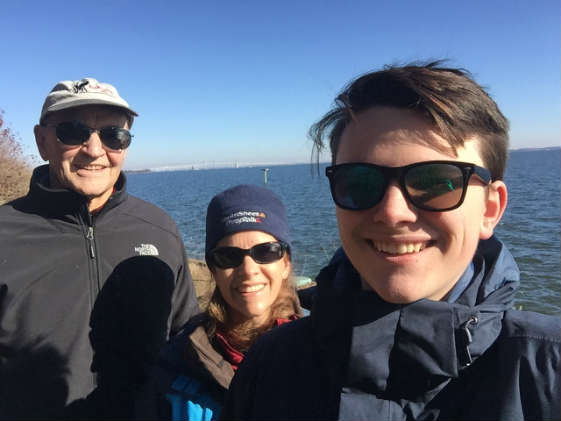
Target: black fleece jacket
[(86, 301)]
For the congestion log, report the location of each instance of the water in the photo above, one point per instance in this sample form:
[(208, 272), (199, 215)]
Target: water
[(530, 227)]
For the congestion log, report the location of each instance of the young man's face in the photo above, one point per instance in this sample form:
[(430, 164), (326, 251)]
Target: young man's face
[(90, 169), (425, 252)]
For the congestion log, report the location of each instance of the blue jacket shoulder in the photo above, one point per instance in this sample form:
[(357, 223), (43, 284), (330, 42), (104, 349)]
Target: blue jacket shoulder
[(531, 325)]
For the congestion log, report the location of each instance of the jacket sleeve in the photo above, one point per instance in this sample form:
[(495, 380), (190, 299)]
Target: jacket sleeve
[(190, 400), (530, 366), (184, 304), (539, 375)]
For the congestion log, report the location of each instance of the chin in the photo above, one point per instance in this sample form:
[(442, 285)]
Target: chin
[(92, 191), (397, 294), (254, 314), (400, 299)]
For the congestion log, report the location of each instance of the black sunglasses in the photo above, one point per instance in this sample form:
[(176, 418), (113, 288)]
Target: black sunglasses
[(231, 257), (431, 185), (74, 133)]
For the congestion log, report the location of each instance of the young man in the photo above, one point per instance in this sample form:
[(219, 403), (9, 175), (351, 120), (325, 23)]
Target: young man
[(92, 280), (414, 319)]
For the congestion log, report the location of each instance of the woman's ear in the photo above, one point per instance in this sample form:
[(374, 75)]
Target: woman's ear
[(495, 205), (286, 267)]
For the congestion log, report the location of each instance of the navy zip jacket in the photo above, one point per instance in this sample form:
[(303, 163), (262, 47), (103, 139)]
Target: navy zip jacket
[(358, 357), (86, 301)]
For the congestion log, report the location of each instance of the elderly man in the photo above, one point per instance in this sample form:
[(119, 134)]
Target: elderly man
[(414, 318), (92, 280)]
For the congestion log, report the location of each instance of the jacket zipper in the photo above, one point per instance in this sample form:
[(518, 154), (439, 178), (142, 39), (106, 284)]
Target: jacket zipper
[(468, 339), (90, 237), (89, 234)]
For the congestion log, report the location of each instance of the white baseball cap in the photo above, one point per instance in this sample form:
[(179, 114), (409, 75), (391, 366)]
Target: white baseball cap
[(87, 91)]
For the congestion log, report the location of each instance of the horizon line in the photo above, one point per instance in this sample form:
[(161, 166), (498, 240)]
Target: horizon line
[(209, 165)]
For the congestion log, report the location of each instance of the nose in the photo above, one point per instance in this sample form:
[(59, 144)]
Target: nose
[(93, 146), (248, 267), (394, 207)]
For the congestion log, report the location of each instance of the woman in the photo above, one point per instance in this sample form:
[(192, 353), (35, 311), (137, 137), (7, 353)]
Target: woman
[(248, 253)]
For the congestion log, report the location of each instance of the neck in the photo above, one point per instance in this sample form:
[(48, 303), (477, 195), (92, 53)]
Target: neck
[(242, 332), (96, 203), (239, 320)]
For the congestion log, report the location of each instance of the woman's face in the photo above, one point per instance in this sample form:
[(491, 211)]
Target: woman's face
[(251, 288)]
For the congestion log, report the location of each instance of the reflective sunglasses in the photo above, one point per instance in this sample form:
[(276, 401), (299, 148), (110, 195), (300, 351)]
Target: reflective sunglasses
[(231, 257), (75, 133), (431, 185)]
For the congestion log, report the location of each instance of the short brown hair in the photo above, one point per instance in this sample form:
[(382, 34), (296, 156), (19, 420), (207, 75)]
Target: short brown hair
[(448, 97)]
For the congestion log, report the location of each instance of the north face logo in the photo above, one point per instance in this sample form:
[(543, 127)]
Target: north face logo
[(146, 250)]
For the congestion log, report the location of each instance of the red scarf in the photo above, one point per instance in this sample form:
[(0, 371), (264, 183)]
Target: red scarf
[(232, 355)]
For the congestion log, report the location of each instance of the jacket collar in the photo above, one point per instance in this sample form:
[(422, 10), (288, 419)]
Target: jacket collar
[(213, 362), (419, 344)]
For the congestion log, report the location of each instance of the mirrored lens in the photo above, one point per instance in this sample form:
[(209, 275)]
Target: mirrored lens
[(357, 186), (435, 186)]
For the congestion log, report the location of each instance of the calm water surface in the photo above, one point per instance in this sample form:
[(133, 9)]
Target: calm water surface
[(530, 227)]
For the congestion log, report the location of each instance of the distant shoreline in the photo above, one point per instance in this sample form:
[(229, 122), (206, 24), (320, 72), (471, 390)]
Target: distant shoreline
[(138, 171), (548, 148), (205, 165)]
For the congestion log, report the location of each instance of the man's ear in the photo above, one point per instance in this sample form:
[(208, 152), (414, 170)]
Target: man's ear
[(495, 205), (41, 140)]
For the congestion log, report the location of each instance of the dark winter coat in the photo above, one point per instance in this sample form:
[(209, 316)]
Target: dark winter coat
[(358, 357), (86, 301), (190, 368)]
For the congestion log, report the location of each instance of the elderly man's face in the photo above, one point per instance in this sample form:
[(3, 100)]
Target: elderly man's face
[(90, 169), (402, 252)]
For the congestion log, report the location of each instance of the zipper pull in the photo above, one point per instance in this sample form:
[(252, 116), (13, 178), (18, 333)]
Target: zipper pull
[(468, 338), (90, 237)]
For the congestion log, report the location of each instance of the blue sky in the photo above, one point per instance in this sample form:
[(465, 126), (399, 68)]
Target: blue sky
[(225, 81)]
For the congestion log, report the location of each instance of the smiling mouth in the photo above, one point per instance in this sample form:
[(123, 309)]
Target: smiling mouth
[(398, 248), (250, 288), (89, 167)]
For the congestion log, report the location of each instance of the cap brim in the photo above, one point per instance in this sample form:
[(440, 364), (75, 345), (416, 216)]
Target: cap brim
[(73, 103)]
